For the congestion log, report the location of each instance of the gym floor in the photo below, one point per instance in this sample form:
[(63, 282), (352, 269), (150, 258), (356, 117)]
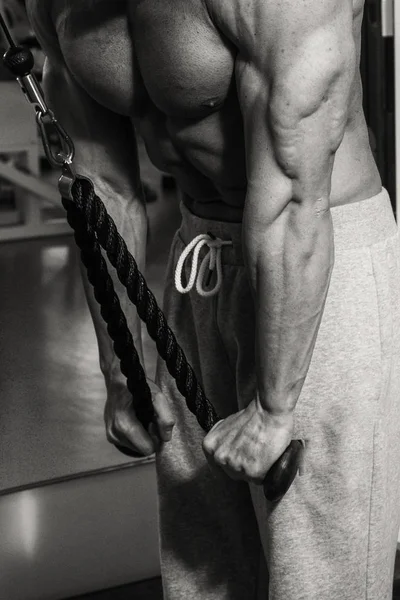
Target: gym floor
[(152, 590)]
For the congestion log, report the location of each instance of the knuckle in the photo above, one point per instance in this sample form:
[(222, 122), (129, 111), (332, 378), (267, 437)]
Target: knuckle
[(119, 421), (255, 473), (109, 436), (122, 424), (232, 463), (208, 445), (118, 429), (221, 457), (170, 419), (165, 418), (147, 451), (159, 401), (169, 424)]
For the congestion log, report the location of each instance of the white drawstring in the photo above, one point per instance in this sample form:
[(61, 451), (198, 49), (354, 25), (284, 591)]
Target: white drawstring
[(211, 260)]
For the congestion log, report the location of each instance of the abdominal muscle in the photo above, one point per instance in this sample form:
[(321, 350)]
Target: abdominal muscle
[(210, 171)]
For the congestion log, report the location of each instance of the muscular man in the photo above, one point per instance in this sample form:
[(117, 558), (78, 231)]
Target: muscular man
[(255, 107)]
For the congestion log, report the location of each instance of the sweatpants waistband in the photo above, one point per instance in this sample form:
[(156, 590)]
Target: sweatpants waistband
[(355, 225)]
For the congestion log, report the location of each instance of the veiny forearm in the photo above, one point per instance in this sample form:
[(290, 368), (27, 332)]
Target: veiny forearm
[(129, 216), (289, 263)]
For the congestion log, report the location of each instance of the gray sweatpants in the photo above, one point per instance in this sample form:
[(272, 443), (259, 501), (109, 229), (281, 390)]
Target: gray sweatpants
[(333, 536)]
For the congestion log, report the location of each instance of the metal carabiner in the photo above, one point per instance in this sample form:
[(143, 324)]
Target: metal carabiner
[(67, 180), (67, 153), (62, 159)]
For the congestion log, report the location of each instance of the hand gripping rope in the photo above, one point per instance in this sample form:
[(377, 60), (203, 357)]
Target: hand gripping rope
[(94, 229)]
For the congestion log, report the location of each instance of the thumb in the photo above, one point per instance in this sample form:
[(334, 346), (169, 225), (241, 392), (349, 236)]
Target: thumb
[(164, 419)]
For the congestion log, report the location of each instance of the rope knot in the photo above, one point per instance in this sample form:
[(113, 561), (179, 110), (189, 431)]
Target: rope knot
[(216, 243), (211, 260)]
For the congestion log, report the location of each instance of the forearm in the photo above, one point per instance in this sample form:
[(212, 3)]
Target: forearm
[(129, 215), (106, 153), (289, 242), (289, 263)]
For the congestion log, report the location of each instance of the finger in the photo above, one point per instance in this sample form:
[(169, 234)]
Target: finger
[(155, 436), (210, 441), (130, 433), (212, 430), (164, 417), (236, 475), (215, 469), (128, 451), (219, 440), (219, 469), (209, 450)]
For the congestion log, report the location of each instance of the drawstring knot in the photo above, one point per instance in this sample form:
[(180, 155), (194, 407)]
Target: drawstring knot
[(211, 260)]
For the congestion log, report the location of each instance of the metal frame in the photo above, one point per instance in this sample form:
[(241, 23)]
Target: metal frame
[(397, 98), (31, 190), (19, 135)]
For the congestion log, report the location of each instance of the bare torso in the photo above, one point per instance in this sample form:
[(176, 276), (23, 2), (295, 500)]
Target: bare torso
[(180, 92)]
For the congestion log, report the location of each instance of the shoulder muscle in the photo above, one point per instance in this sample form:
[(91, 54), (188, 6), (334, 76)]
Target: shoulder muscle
[(263, 29), (92, 39)]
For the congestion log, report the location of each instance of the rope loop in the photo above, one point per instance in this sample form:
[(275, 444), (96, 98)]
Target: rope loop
[(211, 260), (94, 214)]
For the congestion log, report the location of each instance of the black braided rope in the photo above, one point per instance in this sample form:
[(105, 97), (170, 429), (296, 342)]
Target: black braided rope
[(112, 313), (94, 213)]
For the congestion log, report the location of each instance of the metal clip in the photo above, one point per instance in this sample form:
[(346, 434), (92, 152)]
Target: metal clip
[(67, 147), (66, 181), (33, 92)]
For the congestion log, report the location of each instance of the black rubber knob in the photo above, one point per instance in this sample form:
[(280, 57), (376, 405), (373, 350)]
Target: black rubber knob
[(19, 61), (282, 473)]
